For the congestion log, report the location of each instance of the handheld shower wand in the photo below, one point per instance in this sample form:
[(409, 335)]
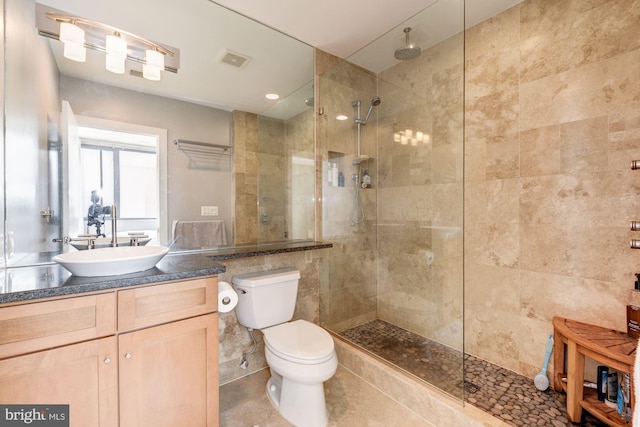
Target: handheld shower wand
[(375, 101)]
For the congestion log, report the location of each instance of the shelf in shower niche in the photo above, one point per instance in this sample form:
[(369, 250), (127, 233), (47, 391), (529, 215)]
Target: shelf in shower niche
[(335, 156)]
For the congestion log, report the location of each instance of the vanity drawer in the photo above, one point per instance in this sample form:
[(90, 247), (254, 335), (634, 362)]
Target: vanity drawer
[(32, 327), (153, 305)]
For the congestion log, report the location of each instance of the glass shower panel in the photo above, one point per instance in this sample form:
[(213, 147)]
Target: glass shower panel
[(348, 211), (395, 280)]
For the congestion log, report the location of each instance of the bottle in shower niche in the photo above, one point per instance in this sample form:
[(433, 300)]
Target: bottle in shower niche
[(633, 310), (335, 175), (366, 179), (340, 179), (330, 175)]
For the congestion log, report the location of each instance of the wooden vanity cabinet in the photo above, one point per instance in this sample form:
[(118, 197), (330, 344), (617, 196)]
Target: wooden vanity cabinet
[(169, 373), (83, 375), (149, 357), (166, 374)]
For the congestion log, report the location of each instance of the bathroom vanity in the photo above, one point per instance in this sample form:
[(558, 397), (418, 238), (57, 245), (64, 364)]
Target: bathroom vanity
[(138, 349), (135, 355)]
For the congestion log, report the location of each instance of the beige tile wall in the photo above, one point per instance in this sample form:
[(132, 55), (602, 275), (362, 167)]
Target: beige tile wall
[(245, 177), (552, 121), (272, 179)]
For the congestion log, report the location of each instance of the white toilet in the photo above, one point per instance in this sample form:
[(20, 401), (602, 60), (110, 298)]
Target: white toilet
[(301, 355)]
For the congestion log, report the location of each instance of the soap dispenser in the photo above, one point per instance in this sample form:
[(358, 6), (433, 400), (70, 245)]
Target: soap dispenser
[(633, 310)]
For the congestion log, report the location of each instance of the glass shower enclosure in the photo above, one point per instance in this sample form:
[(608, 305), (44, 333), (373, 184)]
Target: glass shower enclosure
[(391, 138)]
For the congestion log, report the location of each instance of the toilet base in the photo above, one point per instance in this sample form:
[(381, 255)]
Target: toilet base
[(302, 405)]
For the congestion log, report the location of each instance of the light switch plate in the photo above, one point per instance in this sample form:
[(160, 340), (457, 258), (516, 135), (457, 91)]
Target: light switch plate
[(208, 210)]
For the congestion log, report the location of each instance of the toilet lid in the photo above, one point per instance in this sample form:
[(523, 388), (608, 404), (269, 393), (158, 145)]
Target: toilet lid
[(300, 340)]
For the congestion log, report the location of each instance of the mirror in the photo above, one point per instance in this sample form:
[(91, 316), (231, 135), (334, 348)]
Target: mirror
[(259, 190)]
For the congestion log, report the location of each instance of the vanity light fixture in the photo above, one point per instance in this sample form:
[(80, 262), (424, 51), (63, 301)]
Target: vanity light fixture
[(79, 34)]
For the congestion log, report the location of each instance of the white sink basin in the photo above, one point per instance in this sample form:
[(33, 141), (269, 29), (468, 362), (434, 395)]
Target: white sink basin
[(111, 261)]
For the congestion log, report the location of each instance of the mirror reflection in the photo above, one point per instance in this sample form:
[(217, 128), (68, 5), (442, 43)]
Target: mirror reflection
[(198, 159)]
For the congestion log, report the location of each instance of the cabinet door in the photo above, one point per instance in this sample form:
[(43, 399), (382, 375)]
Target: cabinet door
[(84, 376), (169, 374)]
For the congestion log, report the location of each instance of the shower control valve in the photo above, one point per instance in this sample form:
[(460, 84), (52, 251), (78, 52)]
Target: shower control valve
[(634, 243), (635, 225)]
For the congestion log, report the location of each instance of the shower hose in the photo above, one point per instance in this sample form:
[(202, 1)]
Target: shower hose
[(357, 211)]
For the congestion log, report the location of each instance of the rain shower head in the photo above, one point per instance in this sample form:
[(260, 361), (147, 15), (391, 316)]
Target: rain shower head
[(409, 51)]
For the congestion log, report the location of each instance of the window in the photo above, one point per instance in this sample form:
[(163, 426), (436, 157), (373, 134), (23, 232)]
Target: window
[(125, 177), (124, 162)]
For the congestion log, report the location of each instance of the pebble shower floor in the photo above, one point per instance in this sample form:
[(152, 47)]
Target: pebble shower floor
[(504, 394)]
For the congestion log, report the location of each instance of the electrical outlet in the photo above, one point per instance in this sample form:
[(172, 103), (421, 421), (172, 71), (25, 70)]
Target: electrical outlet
[(208, 210), (308, 257)]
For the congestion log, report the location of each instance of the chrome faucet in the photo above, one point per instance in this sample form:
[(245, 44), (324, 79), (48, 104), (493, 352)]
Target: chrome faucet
[(114, 227)]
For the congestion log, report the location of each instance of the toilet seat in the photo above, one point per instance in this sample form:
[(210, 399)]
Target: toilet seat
[(300, 342)]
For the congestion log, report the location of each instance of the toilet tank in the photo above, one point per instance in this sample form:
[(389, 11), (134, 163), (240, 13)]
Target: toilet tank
[(266, 298)]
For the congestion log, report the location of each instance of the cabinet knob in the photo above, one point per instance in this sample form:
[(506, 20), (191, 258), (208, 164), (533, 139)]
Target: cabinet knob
[(107, 360), (127, 356)]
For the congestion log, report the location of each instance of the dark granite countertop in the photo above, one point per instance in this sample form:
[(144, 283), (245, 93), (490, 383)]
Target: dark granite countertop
[(265, 249), (51, 280)]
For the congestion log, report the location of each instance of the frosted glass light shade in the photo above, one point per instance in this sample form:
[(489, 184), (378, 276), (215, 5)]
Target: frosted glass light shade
[(154, 59), (116, 46), (70, 33), (73, 38), (150, 73), (115, 64), (75, 52)]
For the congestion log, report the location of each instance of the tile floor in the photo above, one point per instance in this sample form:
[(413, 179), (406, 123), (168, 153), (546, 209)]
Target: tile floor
[(352, 402), (504, 394)]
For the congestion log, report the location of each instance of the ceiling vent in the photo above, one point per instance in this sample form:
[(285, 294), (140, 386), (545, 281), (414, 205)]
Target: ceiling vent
[(234, 59)]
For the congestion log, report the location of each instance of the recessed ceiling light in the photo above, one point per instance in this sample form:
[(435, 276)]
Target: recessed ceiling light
[(341, 117), (272, 96)]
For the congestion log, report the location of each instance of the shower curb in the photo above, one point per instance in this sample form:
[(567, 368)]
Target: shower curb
[(430, 404)]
